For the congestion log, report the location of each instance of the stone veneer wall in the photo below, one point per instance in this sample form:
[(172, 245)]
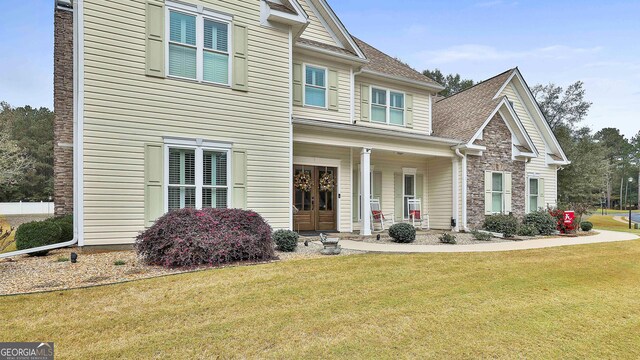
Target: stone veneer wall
[(63, 107), (497, 139)]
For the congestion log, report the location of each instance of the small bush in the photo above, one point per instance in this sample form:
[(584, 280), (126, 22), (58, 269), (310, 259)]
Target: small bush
[(527, 230), (402, 233), (544, 223), (286, 240), (188, 238), (119, 262), (481, 236), (37, 233), (448, 238), (507, 225), (586, 226), (66, 227), (62, 259)]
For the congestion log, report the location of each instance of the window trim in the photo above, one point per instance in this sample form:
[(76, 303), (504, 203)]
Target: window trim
[(388, 106), (199, 146), (408, 172), (326, 86), (537, 179), (502, 206), (201, 14)]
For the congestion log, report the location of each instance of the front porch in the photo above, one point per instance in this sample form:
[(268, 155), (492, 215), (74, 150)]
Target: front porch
[(391, 172)]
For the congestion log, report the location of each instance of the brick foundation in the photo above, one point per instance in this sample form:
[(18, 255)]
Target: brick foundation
[(63, 107), (497, 157)]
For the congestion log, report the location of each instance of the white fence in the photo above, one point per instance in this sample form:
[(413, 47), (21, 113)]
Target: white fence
[(23, 208)]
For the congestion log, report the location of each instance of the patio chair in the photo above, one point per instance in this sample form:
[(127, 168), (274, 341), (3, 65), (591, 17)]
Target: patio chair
[(416, 215), (377, 216)]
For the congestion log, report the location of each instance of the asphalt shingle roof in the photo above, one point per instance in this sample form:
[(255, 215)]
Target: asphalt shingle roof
[(461, 115), (385, 64)]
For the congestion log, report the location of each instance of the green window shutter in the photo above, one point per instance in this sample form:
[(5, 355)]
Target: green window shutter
[(153, 189), (488, 203), (507, 192), (356, 196), (240, 58), (364, 103), (297, 84), (409, 111), (154, 52), (377, 186), (333, 90), (239, 166), (398, 196), (419, 187), (541, 201)]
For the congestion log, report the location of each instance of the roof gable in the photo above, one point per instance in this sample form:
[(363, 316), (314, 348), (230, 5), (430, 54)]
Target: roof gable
[(318, 30)]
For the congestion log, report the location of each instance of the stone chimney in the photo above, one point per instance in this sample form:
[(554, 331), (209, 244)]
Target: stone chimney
[(63, 107)]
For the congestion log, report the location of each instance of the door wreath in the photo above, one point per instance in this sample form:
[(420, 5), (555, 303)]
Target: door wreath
[(327, 182), (303, 182)]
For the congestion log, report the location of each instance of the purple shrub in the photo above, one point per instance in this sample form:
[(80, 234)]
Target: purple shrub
[(188, 237)]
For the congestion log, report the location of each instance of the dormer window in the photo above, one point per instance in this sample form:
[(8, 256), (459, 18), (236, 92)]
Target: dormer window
[(387, 107)]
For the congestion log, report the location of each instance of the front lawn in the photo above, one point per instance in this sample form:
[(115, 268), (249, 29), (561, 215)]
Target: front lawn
[(607, 222), (568, 302)]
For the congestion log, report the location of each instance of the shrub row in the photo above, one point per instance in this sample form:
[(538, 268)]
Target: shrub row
[(535, 223), (41, 233)]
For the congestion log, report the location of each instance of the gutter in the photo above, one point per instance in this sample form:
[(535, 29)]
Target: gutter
[(420, 84), (332, 53), (78, 108)]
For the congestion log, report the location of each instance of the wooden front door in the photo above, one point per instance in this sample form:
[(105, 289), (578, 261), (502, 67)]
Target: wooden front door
[(316, 205)]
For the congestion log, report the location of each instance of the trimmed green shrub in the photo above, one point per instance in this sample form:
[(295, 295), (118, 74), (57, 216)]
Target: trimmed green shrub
[(286, 240), (586, 226), (527, 230), (481, 236), (448, 238), (402, 233), (544, 223), (507, 225), (66, 227), (37, 233)]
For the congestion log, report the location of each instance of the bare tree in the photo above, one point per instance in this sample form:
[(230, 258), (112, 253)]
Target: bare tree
[(14, 161), (562, 107)]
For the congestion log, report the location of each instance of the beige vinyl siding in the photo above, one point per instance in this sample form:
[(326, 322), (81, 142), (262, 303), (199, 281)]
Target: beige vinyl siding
[(342, 154), (440, 192), (124, 109), (537, 165), (344, 92), (316, 30), (421, 107)]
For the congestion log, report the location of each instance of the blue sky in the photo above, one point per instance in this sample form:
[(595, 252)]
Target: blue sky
[(597, 42)]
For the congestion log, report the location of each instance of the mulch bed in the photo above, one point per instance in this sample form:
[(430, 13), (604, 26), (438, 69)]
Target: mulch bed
[(25, 274)]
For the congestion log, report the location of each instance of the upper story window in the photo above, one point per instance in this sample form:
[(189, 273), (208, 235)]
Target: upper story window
[(315, 86), (387, 107), (199, 46)]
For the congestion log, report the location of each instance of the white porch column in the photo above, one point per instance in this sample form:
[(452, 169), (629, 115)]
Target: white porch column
[(365, 185), (456, 197), (464, 194)]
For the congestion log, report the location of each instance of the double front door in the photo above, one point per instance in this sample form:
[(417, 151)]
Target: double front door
[(315, 198)]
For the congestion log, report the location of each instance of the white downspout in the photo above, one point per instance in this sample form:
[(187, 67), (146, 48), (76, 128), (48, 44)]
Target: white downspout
[(78, 91), (464, 189)]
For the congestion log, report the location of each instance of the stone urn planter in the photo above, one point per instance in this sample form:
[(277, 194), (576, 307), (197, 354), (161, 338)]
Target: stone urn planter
[(331, 246)]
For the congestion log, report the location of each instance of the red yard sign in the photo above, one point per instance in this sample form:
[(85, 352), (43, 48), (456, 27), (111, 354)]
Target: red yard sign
[(569, 216)]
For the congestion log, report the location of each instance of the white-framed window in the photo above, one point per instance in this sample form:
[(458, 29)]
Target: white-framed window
[(198, 44), (534, 194), (408, 191), (315, 86), (197, 176), (387, 106), (497, 192)]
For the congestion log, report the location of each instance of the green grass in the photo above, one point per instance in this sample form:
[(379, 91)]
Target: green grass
[(569, 302), (606, 222), (119, 263), (62, 259)]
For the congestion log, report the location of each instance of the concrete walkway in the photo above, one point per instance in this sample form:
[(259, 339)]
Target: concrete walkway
[(602, 237)]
